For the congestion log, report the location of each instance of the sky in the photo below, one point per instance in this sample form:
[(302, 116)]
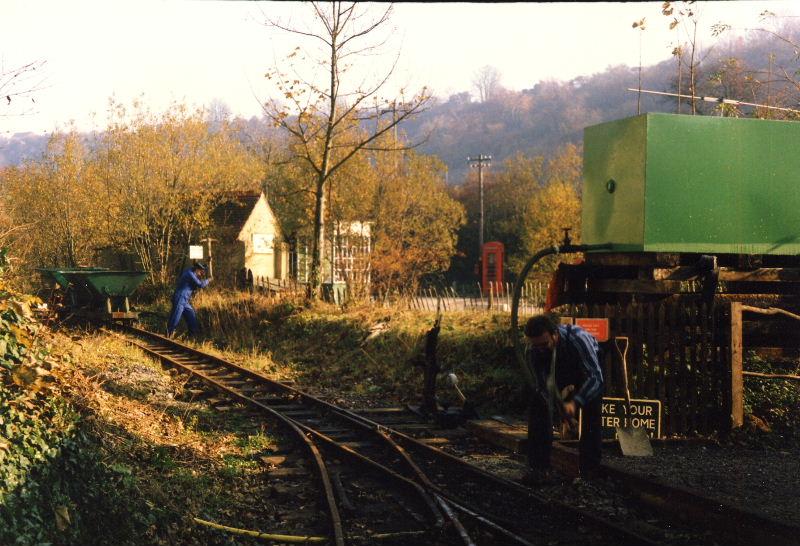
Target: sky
[(203, 51)]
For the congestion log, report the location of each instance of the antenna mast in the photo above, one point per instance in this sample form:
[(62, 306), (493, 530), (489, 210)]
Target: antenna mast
[(718, 100)]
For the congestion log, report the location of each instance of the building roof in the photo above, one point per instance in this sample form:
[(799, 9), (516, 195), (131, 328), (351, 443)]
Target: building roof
[(234, 211)]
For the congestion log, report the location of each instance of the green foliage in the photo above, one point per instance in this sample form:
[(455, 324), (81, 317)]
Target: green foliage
[(46, 463), (775, 401)]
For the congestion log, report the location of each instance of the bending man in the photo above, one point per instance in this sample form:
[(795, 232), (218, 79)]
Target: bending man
[(565, 360), (191, 280)]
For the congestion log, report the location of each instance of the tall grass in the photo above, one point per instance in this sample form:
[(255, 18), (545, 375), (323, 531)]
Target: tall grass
[(368, 349)]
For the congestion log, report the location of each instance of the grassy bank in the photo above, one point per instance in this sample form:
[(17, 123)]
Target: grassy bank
[(99, 445), (367, 353)]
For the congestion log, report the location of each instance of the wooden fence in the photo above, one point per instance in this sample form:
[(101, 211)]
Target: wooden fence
[(277, 286), (681, 354), (497, 299)]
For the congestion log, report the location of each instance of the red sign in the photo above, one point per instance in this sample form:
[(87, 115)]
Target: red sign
[(598, 327)]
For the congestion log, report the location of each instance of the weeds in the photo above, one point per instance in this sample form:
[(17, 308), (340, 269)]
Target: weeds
[(363, 353)]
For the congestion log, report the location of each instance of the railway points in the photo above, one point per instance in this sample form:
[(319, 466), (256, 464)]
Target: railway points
[(336, 439)]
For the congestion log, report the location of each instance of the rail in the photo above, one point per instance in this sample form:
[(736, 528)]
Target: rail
[(462, 503)]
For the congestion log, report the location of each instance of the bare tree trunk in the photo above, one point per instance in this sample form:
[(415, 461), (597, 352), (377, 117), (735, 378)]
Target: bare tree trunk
[(318, 255), (318, 244)]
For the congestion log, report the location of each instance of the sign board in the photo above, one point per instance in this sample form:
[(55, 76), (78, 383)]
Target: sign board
[(644, 414), (262, 243), (598, 327), (195, 252)]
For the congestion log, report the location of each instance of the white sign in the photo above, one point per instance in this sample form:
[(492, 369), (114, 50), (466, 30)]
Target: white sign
[(262, 243), (195, 252)]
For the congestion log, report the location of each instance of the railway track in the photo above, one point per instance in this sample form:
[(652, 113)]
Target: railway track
[(380, 484)]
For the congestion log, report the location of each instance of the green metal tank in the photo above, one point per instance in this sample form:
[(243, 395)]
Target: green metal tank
[(693, 184)]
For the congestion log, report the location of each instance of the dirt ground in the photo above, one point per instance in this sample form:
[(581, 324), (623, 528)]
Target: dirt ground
[(765, 481)]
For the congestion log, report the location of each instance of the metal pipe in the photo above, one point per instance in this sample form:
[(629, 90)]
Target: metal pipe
[(568, 248), (718, 100)]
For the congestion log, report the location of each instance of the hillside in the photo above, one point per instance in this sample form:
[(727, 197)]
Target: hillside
[(537, 120)]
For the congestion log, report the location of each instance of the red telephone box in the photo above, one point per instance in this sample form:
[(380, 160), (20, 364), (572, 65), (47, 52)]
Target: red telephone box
[(492, 266)]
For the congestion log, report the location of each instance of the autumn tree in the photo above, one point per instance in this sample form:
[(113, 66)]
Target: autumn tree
[(56, 198), (145, 186), (398, 191), (486, 82), (164, 174), (416, 223), (529, 199), (550, 210), (325, 119), (557, 205), (512, 185)]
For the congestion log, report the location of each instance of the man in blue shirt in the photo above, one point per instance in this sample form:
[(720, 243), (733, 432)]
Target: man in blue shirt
[(565, 360), (191, 280)]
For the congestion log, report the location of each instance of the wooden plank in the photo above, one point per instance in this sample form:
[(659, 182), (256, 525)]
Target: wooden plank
[(633, 259), (703, 392), (435, 441), (763, 274), (625, 328), (729, 274), (650, 341), (391, 409), (673, 370), (660, 353), (686, 366), (638, 347), (722, 365), (610, 356), (697, 356), (500, 434), (635, 286), (772, 375), (736, 380)]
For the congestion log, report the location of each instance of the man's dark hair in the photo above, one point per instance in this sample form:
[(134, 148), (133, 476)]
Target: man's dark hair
[(539, 325)]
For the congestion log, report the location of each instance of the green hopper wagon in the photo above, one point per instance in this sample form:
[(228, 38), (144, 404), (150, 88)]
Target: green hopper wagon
[(98, 293)]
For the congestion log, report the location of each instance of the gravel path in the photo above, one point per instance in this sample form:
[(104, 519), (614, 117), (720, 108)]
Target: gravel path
[(762, 481)]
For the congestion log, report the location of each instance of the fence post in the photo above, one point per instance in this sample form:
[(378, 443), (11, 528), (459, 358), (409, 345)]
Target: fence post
[(736, 377)]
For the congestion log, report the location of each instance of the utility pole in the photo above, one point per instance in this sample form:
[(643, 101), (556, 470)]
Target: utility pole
[(479, 162), (209, 240)]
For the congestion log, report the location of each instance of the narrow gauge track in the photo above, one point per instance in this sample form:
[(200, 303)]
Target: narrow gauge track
[(450, 500)]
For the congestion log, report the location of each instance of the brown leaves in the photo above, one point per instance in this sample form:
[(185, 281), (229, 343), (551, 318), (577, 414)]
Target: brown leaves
[(30, 377)]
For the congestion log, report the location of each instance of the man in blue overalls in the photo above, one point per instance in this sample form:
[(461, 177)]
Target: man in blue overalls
[(566, 362), (191, 280)]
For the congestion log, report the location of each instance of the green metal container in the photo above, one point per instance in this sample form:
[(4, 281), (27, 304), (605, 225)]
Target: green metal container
[(102, 284), (57, 274), (686, 184)]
